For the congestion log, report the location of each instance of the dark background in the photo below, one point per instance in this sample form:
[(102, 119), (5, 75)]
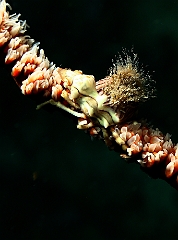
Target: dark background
[(55, 183)]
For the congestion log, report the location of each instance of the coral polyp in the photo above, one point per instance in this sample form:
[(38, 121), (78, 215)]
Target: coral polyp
[(104, 109)]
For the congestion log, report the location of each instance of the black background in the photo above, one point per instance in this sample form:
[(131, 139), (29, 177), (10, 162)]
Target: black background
[(81, 189)]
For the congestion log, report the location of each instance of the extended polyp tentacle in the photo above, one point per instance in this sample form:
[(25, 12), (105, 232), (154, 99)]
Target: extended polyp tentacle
[(38, 75), (103, 108), (151, 146)]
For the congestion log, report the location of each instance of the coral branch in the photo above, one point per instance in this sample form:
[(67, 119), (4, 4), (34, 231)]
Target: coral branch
[(106, 108)]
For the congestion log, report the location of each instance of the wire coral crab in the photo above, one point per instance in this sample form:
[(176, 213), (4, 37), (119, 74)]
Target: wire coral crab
[(105, 108)]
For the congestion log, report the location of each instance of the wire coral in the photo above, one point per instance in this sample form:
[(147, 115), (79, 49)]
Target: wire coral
[(106, 108)]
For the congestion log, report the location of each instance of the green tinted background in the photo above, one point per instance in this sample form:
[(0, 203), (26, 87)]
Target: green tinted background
[(82, 190)]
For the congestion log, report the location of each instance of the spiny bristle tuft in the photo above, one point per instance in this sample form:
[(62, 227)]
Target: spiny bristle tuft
[(128, 82), (126, 85)]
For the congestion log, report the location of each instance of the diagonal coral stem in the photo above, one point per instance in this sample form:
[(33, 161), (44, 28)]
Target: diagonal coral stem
[(105, 108)]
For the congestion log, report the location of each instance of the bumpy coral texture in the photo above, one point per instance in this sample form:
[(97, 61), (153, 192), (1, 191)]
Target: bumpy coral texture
[(36, 75), (40, 74), (154, 147), (105, 108)]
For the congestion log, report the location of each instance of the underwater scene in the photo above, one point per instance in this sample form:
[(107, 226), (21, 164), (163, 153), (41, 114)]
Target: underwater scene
[(63, 181)]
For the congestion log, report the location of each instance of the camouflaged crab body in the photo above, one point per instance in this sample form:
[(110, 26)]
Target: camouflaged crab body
[(80, 89), (103, 108), (40, 75)]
